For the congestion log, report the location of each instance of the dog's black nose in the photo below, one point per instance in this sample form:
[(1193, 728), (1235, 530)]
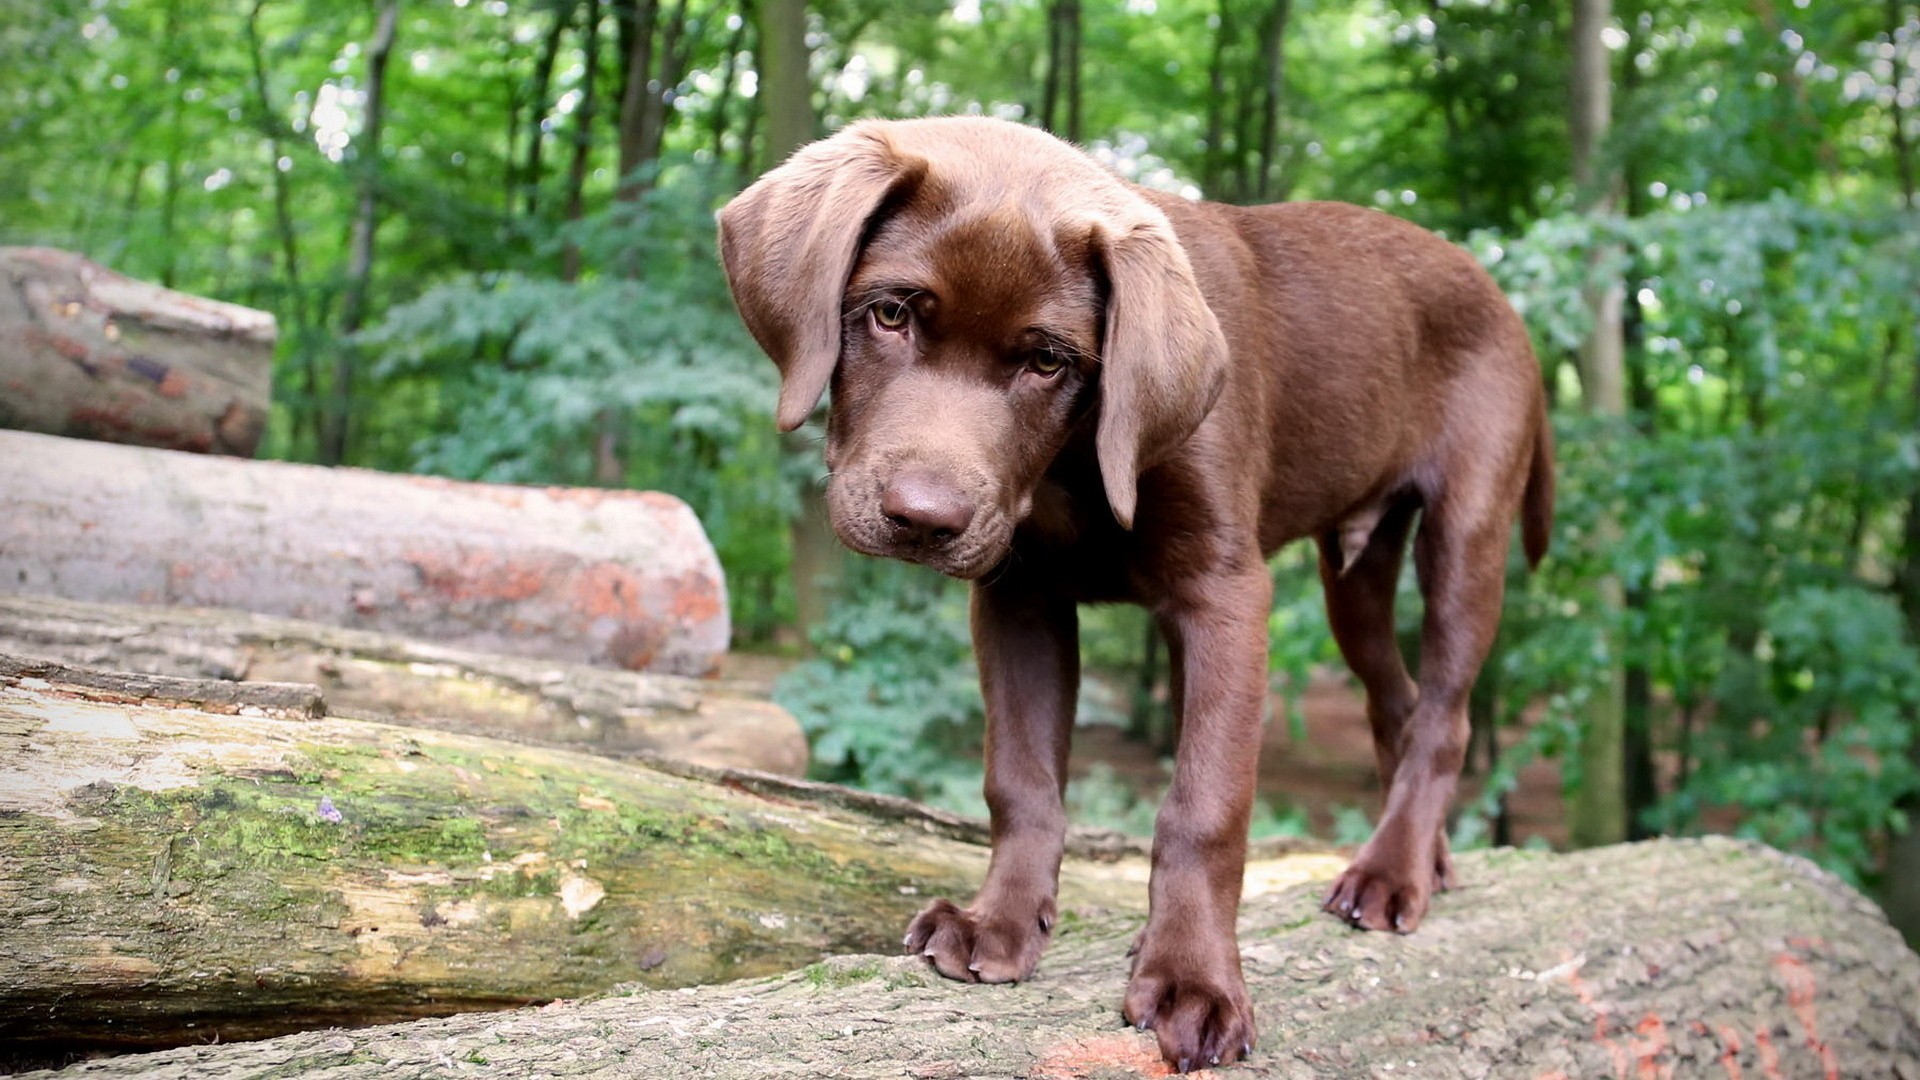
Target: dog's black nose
[(925, 509)]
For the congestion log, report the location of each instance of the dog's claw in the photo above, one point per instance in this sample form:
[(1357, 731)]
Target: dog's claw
[(1186, 1065)]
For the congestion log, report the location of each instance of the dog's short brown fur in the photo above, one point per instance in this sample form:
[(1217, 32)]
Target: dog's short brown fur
[(1069, 389)]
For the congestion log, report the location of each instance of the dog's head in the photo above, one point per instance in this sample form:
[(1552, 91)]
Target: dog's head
[(974, 290)]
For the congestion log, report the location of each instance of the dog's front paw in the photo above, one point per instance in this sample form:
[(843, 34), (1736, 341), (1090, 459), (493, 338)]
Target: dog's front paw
[(981, 946), (1198, 1009), (1389, 887)]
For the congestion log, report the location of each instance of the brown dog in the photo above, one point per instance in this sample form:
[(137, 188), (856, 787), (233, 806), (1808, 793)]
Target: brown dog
[(1068, 389)]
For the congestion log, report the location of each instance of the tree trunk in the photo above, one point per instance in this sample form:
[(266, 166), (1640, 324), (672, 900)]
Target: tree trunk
[(89, 353), (1216, 155), (622, 579), (1598, 814), (1062, 86), (1273, 33), (637, 22), (337, 430), (785, 93), (191, 861), (530, 172), (785, 96), (1624, 961), (376, 676), (583, 115), (306, 407)]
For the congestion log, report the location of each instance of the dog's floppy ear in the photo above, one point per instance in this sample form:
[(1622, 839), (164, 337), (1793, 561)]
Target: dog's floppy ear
[(789, 243), (1163, 361)]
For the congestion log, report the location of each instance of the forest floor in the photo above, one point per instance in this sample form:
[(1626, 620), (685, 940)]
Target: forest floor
[(1328, 772)]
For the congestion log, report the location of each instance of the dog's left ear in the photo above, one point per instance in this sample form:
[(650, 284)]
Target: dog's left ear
[(789, 243), (1164, 358)]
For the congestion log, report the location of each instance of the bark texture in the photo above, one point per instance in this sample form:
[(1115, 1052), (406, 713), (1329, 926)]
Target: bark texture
[(87, 352), (380, 676), (1669, 958), (621, 579), (176, 872)]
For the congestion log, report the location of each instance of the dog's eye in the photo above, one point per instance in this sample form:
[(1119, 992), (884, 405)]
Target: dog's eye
[(890, 314), (1046, 364)]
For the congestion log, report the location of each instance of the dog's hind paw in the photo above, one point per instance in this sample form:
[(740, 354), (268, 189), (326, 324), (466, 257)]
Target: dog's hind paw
[(1376, 894)]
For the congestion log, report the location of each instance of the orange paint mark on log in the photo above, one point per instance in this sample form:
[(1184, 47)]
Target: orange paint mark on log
[(1554, 1075), (1769, 1057), (1729, 1049), (695, 600), (1602, 1026), (1801, 990), (609, 591), (1078, 1059), (480, 575), (173, 384), (1649, 1046)]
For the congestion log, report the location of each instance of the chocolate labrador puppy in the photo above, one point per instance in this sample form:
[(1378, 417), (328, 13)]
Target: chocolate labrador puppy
[(1067, 389)]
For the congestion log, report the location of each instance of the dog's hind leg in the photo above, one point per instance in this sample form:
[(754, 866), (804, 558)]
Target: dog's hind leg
[(1360, 585), (1360, 580), (1460, 554)]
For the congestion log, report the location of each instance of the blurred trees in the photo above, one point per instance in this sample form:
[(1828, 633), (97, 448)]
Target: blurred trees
[(543, 305)]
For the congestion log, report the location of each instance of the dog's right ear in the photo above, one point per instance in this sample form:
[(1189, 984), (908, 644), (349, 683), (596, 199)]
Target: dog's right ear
[(789, 243)]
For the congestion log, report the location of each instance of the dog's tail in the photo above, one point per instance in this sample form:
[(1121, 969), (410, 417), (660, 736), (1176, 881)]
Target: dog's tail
[(1536, 508)]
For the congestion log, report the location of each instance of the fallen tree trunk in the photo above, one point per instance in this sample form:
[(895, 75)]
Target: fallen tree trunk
[(381, 676), (615, 578), (174, 870), (1662, 959), (89, 353)]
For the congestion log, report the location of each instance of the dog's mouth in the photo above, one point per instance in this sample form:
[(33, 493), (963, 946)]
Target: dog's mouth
[(864, 522)]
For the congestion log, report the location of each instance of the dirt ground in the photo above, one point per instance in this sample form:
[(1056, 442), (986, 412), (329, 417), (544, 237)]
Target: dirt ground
[(1331, 768)]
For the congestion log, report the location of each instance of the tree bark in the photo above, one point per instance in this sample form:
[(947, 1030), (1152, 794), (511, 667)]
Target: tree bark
[(188, 861), (1598, 814), (89, 353), (620, 579), (338, 428), (374, 676), (1627, 961)]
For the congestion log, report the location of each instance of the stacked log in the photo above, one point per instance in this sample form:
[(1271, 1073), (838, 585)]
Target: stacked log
[(377, 676), (612, 578), (184, 860), (89, 353)]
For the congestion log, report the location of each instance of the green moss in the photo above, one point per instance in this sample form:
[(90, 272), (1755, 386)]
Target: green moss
[(832, 976)]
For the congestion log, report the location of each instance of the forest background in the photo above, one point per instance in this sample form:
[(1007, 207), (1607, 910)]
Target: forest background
[(485, 228)]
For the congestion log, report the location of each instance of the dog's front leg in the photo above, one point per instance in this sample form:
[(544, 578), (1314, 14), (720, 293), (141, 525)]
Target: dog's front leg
[(1026, 642), (1186, 982)]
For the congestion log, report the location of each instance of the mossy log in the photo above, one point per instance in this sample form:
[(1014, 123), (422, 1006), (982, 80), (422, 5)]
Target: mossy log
[(90, 353), (172, 872), (377, 676), (1686, 958), (623, 579)]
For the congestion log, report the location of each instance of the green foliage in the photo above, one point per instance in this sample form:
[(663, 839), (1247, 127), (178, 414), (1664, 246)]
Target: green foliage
[(891, 700), (522, 331)]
